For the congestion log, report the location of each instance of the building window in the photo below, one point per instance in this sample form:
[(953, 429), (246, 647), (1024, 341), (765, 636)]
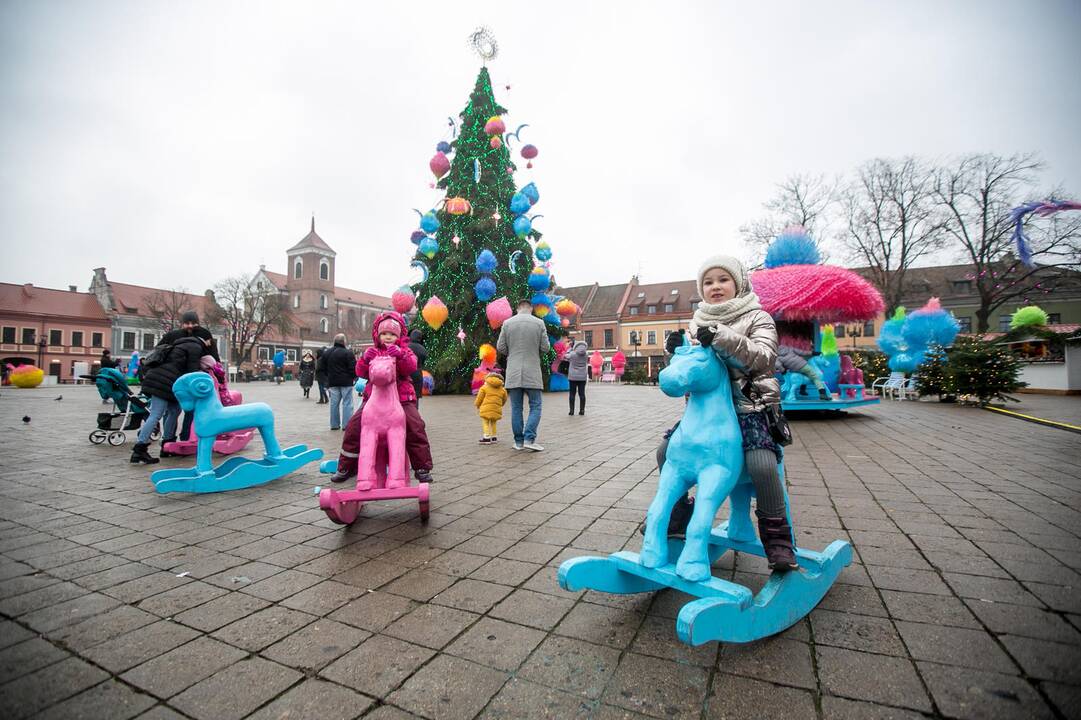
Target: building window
[(1003, 323), (632, 338), (608, 342), (322, 302), (651, 309), (589, 338), (127, 341), (298, 269), (148, 341), (76, 338), (869, 328), (324, 326), (669, 307), (96, 339), (324, 270), (666, 334), (651, 337), (56, 337), (633, 310), (28, 336), (839, 331), (9, 334), (962, 287), (264, 353), (291, 355), (965, 324), (1054, 318), (296, 301)]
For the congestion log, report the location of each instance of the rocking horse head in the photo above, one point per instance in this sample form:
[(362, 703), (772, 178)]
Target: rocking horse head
[(383, 370), (191, 388), (692, 369)]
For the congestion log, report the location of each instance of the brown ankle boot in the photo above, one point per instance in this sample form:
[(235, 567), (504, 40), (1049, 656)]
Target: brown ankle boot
[(776, 536)]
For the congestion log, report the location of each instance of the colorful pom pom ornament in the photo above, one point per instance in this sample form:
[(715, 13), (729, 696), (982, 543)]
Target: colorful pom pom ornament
[(429, 246), (566, 308), (531, 192), (1028, 316), (439, 165), (435, 312), (519, 203), (26, 376), (403, 299), (457, 206), (543, 251), (484, 289), (429, 223), (539, 279), (486, 353), (495, 126), (486, 261), (793, 246), (498, 311), (522, 226)]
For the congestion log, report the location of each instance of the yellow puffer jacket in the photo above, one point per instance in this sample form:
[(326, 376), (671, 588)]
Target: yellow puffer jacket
[(491, 398)]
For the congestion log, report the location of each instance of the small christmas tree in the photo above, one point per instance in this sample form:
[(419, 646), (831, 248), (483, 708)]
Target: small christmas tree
[(982, 369), (932, 376)]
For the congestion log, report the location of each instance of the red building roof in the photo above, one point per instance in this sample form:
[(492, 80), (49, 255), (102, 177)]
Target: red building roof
[(47, 301), (132, 299)]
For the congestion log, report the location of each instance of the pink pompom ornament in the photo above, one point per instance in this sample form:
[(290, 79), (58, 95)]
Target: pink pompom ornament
[(495, 126), (403, 299), (498, 311), (495, 143)]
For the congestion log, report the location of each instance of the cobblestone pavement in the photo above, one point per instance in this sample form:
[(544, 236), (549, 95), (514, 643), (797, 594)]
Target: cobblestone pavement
[(115, 602)]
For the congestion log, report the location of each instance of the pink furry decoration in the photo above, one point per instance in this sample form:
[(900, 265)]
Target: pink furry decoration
[(825, 293), (799, 344)]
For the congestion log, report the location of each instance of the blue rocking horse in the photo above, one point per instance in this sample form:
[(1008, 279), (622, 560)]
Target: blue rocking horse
[(196, 392), (707, 449)]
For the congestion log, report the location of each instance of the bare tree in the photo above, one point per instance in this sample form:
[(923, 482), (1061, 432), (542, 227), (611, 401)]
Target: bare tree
[(978, 192), (167, 306), (799, 200), (892, 221), (248, 314)]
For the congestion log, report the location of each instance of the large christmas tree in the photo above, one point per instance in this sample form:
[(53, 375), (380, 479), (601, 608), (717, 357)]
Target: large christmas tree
[(474, 246)]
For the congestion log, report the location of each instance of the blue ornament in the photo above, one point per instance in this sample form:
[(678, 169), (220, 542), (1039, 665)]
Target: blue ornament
[(539, 279), (531, 192), (519, 203), (522, 225), (417, 236), (429, 223), (539, 298), (429, 247), (793, 246), (552, 317), (486, 261), (484, 289), (543, 251), (443, 147)]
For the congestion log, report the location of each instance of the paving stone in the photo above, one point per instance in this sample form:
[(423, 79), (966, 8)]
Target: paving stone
[(888, 578), (505, 572), (955, 646), (323, 598), (472, 595), (1065, 599), (236, 691), (1067, 698), (421, 585), (854, 599), (371, 575), (835, 708), (976, 694), (776, 659), (44, 597), (110, 699), (935, 609), (12, 633), (875, 678), (221, 611), (373, 611), (137, 646), (100, 628), (497, 644), (449, 687), (1025, 621), (524, 700), (28, 656), (1045, 660), (734, 697), (378, 666), (177, 600), (534, 609), (38, 690), (657, 637), (255, 632), (856, 632), (389, 712), (281, 585), (600, 624), (657, 687), (182, 667), (316, 698), (430, 625), (993, 589), (316, 645), (574, 666)]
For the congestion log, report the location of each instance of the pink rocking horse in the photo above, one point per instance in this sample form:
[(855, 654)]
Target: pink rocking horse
[(383, 469)]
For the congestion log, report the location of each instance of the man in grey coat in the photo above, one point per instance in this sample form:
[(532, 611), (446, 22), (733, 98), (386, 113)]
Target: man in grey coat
[(522, 340)]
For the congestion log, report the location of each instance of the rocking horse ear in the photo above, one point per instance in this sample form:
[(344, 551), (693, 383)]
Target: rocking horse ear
[(686, 339), (202, 386)]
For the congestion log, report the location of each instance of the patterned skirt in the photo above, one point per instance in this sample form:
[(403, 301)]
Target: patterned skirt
[(756, 435)]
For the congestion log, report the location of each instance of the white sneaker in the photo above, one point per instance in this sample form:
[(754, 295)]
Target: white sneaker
[(517, 445), (534, 446)]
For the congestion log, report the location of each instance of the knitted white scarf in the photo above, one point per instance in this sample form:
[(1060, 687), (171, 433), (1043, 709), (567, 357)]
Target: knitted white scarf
[(724, 313)]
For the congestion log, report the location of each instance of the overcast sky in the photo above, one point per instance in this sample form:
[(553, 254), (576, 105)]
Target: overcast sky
[(176, 143)]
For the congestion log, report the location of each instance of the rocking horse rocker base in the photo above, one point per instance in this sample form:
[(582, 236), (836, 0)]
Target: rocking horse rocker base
[(344, 506), (235, 473)]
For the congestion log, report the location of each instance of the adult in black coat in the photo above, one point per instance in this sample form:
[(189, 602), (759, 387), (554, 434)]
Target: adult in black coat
[(416, 345), (341, 374), (183, 357), (321, 375)]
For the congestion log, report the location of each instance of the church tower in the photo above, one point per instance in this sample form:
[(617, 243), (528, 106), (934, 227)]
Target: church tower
[(310, 286)]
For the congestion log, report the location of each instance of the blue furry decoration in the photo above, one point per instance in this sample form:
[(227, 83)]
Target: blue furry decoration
[(793, 246)]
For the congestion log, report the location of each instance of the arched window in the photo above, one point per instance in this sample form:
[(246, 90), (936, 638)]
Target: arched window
[(324, 270), (296, 301), (322, 302), (324, 326), (298, 268)]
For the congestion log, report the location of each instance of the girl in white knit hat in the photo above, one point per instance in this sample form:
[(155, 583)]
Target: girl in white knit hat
[(733, 323)]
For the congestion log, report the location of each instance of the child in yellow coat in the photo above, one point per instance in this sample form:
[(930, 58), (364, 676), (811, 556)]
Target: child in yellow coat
[(491, 397)]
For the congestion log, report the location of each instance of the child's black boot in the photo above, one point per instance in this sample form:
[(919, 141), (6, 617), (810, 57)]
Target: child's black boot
[(776, 536), (139, 454)]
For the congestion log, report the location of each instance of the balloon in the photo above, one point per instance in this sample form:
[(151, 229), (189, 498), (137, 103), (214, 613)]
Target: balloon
[(457, 206), (566, 308), (519, 203), (429, 223), (484, 289), (495, 143), (423, 267), (429, 247), (439, 165), (486, 261), (513, 261), (543, 251), (487, 354), (531, 192), (402, 299), (529, 152), (539, 279), (427, 383), (416, 236), (435, 312), (443, 147), (522, 225), (495, 126), (498, 311)]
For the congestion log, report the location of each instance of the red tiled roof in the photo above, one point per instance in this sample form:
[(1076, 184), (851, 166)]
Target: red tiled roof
[(660, 294), (361, 298), (278, 279), (47, 301), (131, 299), (311, 240)]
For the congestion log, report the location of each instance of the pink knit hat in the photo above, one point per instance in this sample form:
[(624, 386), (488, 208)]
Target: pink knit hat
[(390, 325)]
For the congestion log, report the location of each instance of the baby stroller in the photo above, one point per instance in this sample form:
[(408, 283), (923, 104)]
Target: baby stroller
[(129, 409)]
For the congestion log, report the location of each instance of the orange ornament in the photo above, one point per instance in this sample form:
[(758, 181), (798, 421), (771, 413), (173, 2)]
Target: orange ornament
[(457, 206)]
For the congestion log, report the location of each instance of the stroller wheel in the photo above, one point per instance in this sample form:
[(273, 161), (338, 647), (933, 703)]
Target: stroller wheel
[(117, 438), (156, 433), (97, 437)]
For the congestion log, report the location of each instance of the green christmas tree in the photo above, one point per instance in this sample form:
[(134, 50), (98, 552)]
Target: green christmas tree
[(982, 369), (475, 215), (932, 376)]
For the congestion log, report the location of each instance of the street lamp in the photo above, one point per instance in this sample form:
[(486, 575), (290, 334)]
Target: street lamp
[(636, 340), (854, 331), (42, 343)]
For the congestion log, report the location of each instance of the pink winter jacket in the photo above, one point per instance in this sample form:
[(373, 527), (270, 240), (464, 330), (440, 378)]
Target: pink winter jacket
[(407, 361)]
